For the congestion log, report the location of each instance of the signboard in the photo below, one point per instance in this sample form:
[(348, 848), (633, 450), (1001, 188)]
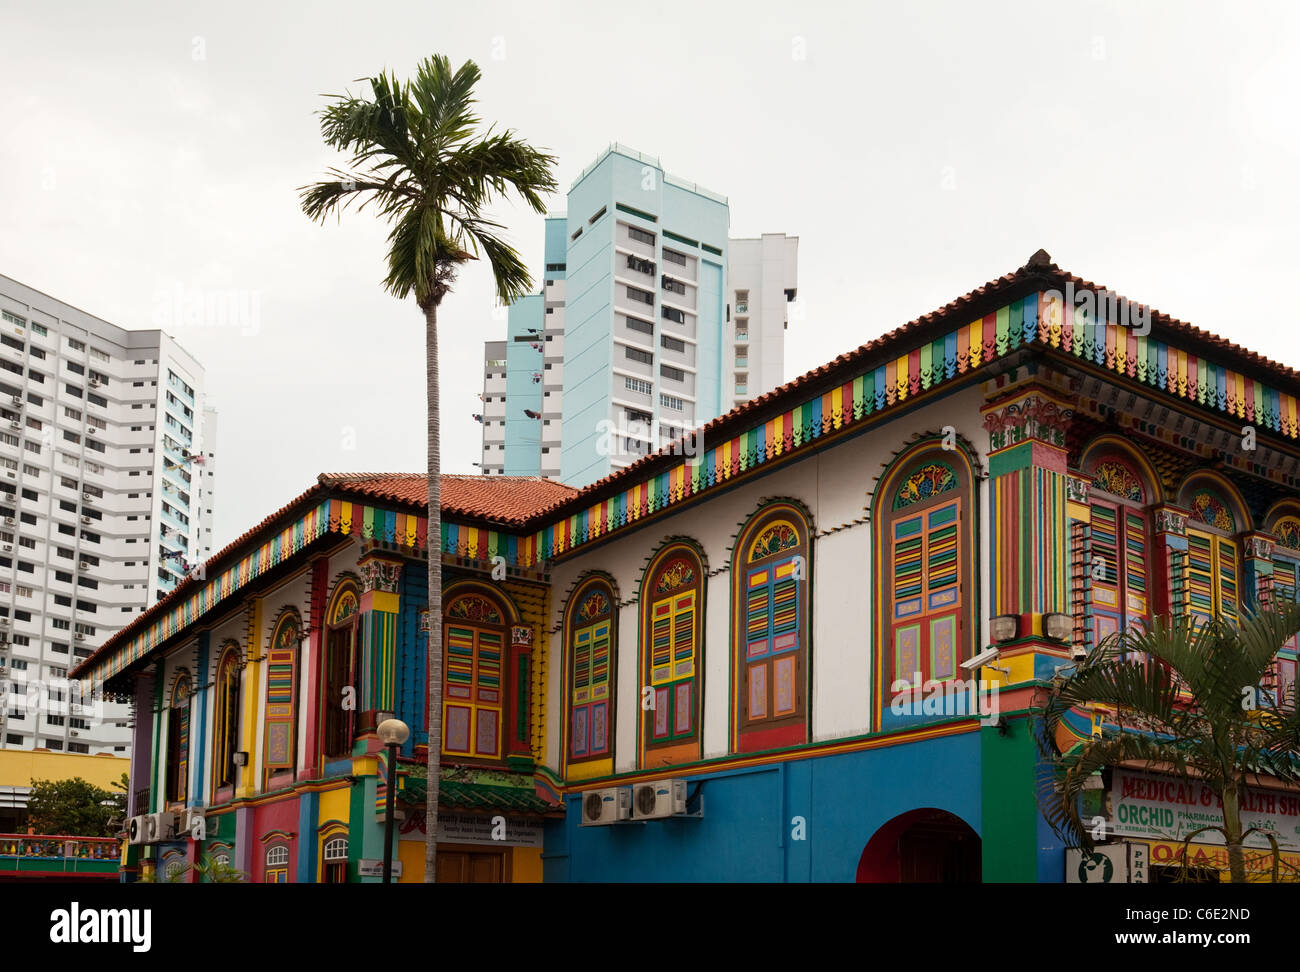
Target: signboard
[(376, 868), (1168, 808), (1259, 863), (1108, 864), (470, 828)]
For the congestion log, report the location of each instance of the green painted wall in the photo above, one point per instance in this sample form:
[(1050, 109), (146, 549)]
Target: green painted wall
[(1010, 810)]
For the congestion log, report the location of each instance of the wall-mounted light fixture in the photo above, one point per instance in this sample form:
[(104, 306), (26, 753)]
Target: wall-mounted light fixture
[(1004, 627), (1058, 626)]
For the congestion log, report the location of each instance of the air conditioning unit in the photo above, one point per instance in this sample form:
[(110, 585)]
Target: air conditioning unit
[(662, 798), (79, 636), (91, 430), (10, 520), (193, 818), (8, 547), (15, 424), (94, 383), (84, 565), (18, 399), (137, 829), (609, 806), (85, 519), (160, 826), (4, 622), (86, 496), (11, 474)]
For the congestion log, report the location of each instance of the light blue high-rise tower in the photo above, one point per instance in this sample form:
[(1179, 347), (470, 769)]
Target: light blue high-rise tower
[(631, 342)]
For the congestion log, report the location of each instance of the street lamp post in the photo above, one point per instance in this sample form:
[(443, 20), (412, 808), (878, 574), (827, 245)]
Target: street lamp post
[(392, 733)]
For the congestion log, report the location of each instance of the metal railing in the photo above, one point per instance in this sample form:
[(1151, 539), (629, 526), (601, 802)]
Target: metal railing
[(45, 853)]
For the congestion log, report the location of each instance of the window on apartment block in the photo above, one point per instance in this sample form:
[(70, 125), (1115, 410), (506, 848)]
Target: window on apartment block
[(672, 633), (226, 727), (924, 546), (1212, 566), (590, 631), (770, 573), (475, 629), (279, 745), (1118, 545), (336, 722), (178, 738)]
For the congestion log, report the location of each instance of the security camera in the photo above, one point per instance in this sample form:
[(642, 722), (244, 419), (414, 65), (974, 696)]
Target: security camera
[(1078, 653), (985, 657)]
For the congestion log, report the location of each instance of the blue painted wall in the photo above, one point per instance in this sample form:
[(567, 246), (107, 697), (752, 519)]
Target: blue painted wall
[(746, 831)]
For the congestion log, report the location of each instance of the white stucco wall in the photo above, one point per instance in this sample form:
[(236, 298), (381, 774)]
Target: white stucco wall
[(835, 485)]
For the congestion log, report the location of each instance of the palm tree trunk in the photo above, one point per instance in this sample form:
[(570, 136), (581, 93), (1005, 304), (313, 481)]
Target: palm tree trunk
[(434, 546), (1232, 833)]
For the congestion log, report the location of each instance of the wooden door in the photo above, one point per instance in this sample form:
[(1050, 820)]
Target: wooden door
[(470, 867)]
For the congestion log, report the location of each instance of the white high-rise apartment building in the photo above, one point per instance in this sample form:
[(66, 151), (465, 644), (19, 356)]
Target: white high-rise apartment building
[(493, 415), (105, 499), (763, 279)]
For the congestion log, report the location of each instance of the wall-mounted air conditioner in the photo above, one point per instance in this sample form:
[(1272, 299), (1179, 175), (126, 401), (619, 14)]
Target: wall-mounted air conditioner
[(608, 806), (160, 826), (662, 798), (137, 829)]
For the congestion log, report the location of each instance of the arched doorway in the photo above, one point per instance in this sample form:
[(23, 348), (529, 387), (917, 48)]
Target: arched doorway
[(922, 847)]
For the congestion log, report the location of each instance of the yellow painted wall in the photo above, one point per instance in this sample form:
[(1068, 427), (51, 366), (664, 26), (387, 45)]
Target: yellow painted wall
[(526, 865), (335, 804), (19, 767), (411, 854)]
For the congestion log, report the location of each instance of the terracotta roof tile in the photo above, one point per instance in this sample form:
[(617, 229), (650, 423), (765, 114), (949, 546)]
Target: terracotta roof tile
[(503, 499)]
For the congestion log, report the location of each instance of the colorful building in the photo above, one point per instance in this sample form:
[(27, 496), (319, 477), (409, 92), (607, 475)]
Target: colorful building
[(807, 652)]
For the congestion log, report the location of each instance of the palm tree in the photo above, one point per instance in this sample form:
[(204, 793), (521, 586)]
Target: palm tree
[(1188, 701), (417, 155)]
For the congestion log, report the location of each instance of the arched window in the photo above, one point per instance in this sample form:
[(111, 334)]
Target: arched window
[(277, 864), (1212, 579), (924, 539), (771, 566), (337, 662), (226, 727), (334, 861), (672, 631), (474, 638), (280, 730), (1119, 548), (590, 628), (1286, 588), (178, 739)]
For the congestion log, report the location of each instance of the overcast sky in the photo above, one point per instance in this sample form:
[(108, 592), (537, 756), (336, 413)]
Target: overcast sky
[(151, 150)]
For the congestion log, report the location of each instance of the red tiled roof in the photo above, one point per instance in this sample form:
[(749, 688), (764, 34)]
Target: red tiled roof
[(508, 500), (504, 499)]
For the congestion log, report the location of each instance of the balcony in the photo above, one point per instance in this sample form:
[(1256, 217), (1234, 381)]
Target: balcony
[(59, 857)]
